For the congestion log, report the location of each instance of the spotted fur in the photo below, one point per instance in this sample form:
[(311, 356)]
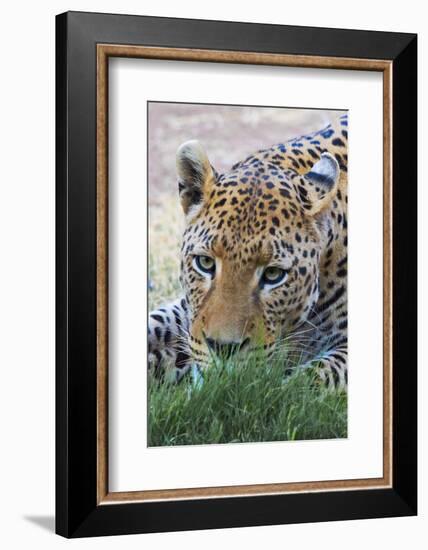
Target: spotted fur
[(285, 206)]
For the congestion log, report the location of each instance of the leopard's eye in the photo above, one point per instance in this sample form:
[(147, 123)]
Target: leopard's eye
[(273, 276), (204, 264)]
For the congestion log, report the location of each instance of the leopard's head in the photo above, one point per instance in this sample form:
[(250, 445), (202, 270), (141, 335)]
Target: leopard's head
[(251, 248)]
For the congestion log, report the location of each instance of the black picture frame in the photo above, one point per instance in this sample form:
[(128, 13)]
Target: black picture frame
[(77, 512)]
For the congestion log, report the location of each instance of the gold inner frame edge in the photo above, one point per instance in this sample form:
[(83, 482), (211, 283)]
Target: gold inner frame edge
[(104, 52)]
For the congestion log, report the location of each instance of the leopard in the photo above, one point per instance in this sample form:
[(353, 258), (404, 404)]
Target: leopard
[(263, 258)]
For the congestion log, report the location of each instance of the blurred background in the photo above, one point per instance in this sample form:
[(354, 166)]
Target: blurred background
[(228, 134)]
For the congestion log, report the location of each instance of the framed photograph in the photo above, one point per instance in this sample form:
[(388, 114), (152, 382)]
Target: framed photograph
[(220, 362)]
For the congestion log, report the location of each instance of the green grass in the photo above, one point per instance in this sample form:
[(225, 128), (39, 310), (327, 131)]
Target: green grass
[(249, 402)]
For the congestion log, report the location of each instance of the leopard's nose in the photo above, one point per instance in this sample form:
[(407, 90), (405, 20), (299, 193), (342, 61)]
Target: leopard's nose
[(224, 350)]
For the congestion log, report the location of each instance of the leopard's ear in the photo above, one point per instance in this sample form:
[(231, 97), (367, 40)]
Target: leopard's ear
[(321, 184), (195, 174)]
